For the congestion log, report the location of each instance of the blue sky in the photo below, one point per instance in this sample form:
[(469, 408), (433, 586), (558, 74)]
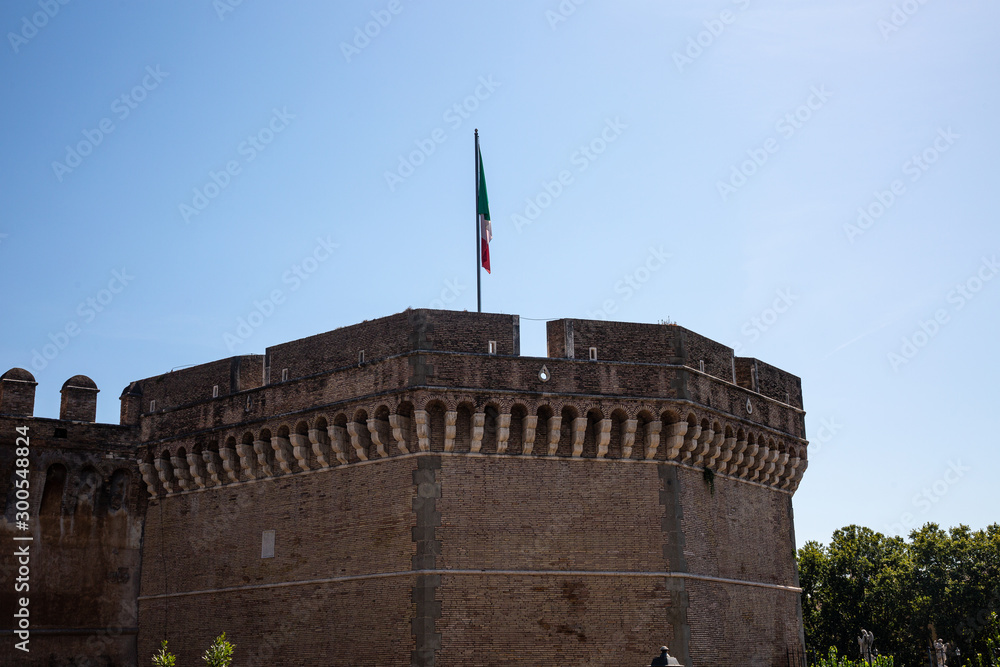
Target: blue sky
[(820, 175)]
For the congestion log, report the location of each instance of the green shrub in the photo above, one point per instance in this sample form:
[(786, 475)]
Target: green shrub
[(833, 660), (220, 653), (164, 658)]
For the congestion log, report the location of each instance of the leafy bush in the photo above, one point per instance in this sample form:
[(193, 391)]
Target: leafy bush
[(832, 660), (164, 658), (219, 654)]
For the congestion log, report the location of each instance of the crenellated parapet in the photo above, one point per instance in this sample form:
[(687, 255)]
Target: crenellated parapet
[(478, 424)]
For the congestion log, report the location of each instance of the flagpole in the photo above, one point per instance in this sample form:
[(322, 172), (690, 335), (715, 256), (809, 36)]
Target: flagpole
[(479, 247)]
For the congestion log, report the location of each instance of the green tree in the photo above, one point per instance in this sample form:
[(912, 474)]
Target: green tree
[(940, 584), (220, 653), (164, 658)]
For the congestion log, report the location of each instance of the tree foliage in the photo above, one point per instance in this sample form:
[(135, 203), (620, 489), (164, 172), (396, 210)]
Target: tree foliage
[(219, 654), (938, 584), (164, 658)]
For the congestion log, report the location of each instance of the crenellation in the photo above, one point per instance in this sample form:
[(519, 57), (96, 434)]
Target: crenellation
[(466, 459)]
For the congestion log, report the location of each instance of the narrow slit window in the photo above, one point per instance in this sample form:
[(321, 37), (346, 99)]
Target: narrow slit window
[(593, 354), (215, 391), (492, 347), (284, 375), (152, 406), (361, 356)]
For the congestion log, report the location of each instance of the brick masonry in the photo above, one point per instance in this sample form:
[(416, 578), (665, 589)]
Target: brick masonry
[(434, 503)]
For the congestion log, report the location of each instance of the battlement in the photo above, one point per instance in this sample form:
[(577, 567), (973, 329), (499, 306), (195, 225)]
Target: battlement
[(643, 468), (410, 331)]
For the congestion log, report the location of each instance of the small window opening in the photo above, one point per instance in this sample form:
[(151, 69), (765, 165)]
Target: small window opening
[(284, 375), (593, 354), (361, 357), (215, 391), (267, 544), (493, 347), (152, 406), (701, 365)]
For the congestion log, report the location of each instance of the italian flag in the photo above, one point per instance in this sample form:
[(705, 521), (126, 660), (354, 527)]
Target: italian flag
[(483, 211)]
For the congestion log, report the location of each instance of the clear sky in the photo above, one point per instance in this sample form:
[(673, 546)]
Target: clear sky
[(814, 183)]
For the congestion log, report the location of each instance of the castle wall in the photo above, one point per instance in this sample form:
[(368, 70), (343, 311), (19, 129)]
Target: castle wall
[(196, 383), (85, 516), (437, 504), (525, 560), (639, 343), (442, 330), (768, 381), (346, 526)]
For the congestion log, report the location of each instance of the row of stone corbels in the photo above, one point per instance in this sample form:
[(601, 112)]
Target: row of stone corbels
[(763, 463), (689, 444)]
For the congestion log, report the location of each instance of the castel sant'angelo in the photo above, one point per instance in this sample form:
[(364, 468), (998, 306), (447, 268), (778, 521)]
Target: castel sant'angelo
[(412, 491)]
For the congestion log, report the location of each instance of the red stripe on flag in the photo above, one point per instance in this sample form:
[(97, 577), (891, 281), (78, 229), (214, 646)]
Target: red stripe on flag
[(485, 254)]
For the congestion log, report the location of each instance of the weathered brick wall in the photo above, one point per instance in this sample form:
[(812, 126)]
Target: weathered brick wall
[(189, 385), (771, 381), (639, 343), (739, 531), (85, 516), (78, 401), (348, 522), (615, 341), (550, 514), (350, 623), (371, 549), (741, 625), (695, 349), (529, 621), (17, 393), (550, 553), (421, 329)]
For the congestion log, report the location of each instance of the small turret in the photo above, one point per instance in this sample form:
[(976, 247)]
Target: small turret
[(131, 399), (17, 393), (79, 399)]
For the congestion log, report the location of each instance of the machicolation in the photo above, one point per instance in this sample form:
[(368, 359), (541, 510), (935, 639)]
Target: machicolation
[(411, 490)]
